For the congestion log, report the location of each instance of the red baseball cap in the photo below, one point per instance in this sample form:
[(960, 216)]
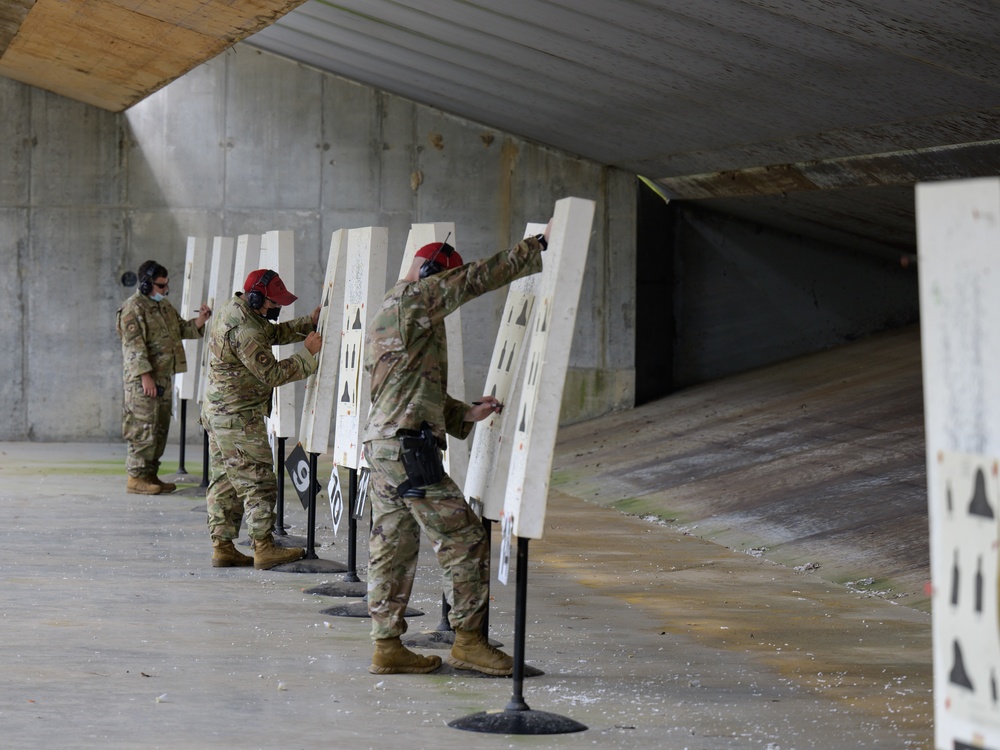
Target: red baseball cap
[(274, 290), (442, 253)]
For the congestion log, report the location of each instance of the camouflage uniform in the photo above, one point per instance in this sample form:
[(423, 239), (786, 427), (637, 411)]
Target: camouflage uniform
[(151, 334), (406, 353), (242, 373)]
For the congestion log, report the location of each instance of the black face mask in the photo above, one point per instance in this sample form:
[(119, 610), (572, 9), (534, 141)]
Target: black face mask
[(273, 313)]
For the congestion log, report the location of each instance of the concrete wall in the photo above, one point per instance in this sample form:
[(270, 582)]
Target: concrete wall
[(745, 295), (247, 143)]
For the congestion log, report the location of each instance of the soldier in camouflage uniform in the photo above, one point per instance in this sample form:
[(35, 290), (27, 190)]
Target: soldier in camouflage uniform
[(406, 353), (242, 373), (151, 333)]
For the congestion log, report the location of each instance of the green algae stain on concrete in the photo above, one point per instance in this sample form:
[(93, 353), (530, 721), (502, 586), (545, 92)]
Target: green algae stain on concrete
[(82, 468), (110, 467), (590, 393), (647, 507)]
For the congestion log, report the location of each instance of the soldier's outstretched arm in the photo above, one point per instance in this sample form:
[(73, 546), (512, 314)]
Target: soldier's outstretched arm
[(444, 293), (294, 331), (262, 364)]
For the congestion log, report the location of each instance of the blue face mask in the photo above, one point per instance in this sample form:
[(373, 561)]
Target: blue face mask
[(156, 297)]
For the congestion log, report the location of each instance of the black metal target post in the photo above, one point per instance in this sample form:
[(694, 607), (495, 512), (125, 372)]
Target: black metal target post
[(517, 717), (488, 528), (351, 576), (180, 454), (351, 585), (279, 505), (204, 460), (311, 510), (443, 629), (444, 624), (310, 561), (442, 635)]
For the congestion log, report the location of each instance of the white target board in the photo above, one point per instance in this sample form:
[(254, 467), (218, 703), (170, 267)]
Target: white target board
[(964, 575), (192, 298), (958, 233), (537, 420), (321, 386), (277, 252), (491, 443), (364, 289), (247, 259), (220, 282), (456, 458)]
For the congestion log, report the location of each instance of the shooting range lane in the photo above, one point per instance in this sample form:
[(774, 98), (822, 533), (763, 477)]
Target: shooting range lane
[(814, 462), (643, 629)]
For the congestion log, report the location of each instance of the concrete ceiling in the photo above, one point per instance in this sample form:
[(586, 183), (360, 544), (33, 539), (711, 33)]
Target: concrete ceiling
[(114, 53), (815, 116)]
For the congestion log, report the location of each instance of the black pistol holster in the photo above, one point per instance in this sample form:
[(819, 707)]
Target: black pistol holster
[(421, 458)]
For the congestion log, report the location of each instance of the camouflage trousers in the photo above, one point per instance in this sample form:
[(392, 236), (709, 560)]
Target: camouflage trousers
[(145, 423), (457, 535), (241, 476)]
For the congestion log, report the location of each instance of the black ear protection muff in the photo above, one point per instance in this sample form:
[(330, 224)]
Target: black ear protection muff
[(431, 266), (146, 281), (255, 298)]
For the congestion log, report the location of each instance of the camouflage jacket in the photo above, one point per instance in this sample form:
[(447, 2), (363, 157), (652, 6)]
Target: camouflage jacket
[(151, 334), (242, 370), (406, 349)]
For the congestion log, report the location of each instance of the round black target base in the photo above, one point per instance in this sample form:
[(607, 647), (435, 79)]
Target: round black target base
[(315, 565), (517, 722), (339, 588), (430, 639), (360, 609), (285, 540)]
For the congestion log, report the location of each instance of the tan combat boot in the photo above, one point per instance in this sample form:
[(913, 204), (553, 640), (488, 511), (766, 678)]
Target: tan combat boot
[(225, 555), (472, 651), (392, 657), (267, 554), (142, 486), (165, 487)]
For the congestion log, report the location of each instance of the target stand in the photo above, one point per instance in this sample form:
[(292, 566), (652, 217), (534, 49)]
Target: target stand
[(350, 582), (310, 562), (517, 717), (442, 636)]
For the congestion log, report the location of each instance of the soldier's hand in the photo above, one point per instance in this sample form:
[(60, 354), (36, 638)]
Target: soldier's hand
[(148, 384), (204, 313), (313, 342), (315, 316), (483, 408)]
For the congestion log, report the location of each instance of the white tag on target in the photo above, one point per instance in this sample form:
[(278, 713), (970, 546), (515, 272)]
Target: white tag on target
[(336, 499), (507, 528)]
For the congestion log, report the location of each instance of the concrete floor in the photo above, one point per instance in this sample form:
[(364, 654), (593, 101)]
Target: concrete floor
[(117, 633)]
